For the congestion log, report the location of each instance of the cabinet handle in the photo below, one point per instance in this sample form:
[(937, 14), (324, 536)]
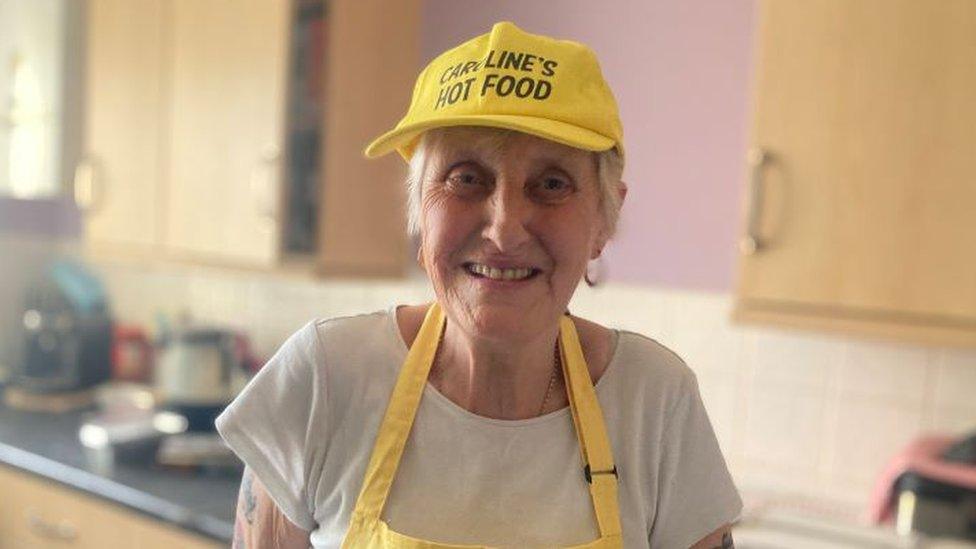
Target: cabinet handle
[(84, 186), (63, 530), (751, 243)]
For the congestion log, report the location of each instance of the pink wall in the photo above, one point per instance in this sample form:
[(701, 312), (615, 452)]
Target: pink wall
[(681, 72)]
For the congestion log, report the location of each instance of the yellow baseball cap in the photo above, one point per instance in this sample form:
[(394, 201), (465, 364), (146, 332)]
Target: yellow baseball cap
[(512, 79)]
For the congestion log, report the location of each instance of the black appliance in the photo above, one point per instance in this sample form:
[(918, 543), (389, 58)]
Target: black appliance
[(944, 506), (67, 330)]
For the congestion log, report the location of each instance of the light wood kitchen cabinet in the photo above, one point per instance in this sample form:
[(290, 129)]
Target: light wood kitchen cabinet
[(118, 184), (227, 106), (39, 514), (185, 105), (862, 213), (373, 52), (188, 147)]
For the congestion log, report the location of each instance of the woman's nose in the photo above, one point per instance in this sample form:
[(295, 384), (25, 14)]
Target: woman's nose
[(508, 214)]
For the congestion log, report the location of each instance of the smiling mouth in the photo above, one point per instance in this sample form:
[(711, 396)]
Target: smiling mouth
[(494, 273)]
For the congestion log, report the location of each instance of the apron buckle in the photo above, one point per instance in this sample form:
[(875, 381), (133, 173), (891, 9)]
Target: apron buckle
[(589, 475)]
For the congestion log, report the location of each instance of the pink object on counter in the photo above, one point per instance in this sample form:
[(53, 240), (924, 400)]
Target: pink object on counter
[(132, 354), (923, 457)]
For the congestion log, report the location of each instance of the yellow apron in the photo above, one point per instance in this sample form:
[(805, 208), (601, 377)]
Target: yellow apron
[(367, 529)]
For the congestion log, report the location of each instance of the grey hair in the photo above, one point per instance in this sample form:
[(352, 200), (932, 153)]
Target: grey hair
[(610, 169)]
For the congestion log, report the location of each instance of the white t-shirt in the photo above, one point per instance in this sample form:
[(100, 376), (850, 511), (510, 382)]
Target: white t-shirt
[(306, 423)]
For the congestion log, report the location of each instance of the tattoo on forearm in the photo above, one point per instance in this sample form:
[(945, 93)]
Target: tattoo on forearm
[(727, 542), (250, 502)]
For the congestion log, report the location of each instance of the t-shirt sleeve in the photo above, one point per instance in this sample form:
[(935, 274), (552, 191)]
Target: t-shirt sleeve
[(267, 425), (696, 494)]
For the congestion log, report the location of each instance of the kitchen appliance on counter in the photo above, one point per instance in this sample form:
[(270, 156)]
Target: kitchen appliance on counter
[(198, 452), (67, 331), (939, 497), (199, 371), (930, 488), (935, 508), (132, 436), (129, 428)]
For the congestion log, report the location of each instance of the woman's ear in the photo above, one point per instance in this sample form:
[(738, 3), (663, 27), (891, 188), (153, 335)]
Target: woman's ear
[(622, 191)]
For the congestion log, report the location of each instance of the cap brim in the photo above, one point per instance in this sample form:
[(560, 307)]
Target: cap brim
[(403, 139)]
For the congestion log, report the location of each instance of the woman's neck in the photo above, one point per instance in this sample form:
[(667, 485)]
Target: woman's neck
[(498, 379)]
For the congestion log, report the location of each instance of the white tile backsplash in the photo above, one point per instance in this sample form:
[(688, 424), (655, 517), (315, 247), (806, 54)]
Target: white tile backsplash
[(794, 362), (702, 335), (955, 383), (801, 413), (953, 419), (896, 373), (868, 433), (784, 429)]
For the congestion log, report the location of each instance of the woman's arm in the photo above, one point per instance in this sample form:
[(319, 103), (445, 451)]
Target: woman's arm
[(719, 539), (259, 523)]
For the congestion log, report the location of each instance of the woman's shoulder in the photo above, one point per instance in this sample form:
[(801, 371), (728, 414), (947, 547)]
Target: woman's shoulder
[(334, 341), (634, 348), (347, 325), (649, 364)]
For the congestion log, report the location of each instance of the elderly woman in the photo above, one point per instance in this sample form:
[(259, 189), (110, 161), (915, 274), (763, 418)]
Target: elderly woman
[(491, 417)]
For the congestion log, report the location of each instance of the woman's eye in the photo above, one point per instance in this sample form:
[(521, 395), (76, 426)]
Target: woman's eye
[(467, 181), (554, 184), (554, 187), (464, 178)]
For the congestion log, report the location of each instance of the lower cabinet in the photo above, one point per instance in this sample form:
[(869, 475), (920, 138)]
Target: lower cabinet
[(37, 514)]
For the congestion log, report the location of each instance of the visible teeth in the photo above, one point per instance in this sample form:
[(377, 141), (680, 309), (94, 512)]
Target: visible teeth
[(499, 274)]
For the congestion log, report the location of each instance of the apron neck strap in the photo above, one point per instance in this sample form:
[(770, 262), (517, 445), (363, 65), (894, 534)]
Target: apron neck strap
[(599, 470), (398, 420)]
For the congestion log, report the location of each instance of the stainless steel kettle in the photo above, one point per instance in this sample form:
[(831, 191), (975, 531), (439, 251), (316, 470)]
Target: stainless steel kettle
[(198, 372)]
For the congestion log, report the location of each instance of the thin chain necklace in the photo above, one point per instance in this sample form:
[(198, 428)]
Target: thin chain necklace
[(552, 378)]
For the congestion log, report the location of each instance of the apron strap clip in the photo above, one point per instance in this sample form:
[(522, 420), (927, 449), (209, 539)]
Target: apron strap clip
[(589, 475)]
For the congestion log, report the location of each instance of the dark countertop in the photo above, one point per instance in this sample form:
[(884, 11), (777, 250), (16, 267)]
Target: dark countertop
[(47, 445)]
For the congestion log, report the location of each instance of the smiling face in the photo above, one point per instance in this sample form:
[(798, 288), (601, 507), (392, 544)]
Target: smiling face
[(508, 223)]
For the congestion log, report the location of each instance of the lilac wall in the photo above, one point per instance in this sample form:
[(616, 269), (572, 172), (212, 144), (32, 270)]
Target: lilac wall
[(681, 72)]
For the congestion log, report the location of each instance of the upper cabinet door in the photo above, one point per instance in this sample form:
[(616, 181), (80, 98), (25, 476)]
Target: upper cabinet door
[(227, 129), (117, 184), (373, 58), (864, 206)]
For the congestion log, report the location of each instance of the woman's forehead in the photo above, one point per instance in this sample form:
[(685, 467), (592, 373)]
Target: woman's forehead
[(492, 142)]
